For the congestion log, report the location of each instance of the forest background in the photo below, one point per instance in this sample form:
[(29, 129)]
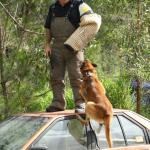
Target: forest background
[(121, 49)]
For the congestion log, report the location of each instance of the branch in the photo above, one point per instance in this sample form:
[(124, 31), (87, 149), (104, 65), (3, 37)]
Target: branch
[(42, 94), (17, 23)]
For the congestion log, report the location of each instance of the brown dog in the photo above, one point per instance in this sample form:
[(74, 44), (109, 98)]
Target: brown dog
[(97, 105)]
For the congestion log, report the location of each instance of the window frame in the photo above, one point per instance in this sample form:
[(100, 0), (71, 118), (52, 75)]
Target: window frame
[(52, 124), (116, 115), (73, 116), (134, 122)]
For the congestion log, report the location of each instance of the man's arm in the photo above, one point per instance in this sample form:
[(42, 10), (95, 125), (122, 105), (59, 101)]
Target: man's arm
[(47, 42), (85, 9), (89, 21)]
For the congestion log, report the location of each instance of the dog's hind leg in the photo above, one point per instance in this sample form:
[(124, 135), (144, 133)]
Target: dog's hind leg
[(107, 123)]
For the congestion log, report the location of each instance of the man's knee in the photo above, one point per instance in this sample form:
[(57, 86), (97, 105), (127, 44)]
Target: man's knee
[(55, 82), (75, 82)]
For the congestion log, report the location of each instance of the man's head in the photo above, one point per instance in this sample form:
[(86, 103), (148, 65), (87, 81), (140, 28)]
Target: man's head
[(63, 2)]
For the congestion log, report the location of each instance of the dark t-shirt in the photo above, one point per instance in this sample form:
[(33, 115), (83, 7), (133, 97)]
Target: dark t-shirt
[(70, 11)]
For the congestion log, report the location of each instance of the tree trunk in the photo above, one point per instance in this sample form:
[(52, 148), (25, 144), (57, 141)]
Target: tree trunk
[(138, 25), (138, 96), (138, 89), (3, 81)]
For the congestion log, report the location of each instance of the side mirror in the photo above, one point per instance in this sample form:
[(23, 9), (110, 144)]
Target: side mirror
[(39, 147)]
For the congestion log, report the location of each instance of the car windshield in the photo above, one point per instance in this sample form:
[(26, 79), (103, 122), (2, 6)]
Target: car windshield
[(15, 132)]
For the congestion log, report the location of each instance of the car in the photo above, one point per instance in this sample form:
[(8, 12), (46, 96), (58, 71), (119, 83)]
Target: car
[(63, 131)]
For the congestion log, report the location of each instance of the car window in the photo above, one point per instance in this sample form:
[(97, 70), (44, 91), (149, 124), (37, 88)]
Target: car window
[(133, 133), (64, 135), (116, 132), (15, 132)]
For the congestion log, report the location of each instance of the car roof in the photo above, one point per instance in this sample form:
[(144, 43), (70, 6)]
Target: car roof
[(67, 112), (140, 119), (62, 113)]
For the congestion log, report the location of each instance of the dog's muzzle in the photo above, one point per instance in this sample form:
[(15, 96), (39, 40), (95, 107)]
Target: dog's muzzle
[(88, 74)]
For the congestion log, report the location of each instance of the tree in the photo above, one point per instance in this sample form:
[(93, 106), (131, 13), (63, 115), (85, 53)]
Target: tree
[(120, 49)]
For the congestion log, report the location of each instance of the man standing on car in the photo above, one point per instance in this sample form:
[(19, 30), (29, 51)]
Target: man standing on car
[(62, 21)]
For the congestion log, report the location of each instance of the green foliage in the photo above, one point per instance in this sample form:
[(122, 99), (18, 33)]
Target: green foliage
[(69, 99), (119, 92), (146, 111), (39, 103), (119, 47)]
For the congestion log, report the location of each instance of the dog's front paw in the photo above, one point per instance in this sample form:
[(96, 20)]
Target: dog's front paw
[(83, 122)]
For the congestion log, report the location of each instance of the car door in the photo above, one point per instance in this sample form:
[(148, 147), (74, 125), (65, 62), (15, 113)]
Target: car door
[(124, 132), (69, 134), (134, 133), (116, 133), (66, 134)]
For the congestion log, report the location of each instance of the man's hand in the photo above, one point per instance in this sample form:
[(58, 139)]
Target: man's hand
[(48, 50)]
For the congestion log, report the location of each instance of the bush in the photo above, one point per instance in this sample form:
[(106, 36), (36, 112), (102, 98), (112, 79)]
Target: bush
[(40, 103), (69, 99), (118, 92)]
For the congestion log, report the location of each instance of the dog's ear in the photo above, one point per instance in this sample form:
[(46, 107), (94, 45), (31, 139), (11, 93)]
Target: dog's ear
[(94, 65)]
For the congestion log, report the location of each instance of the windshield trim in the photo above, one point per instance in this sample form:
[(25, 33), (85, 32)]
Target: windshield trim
[(39, 132)]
